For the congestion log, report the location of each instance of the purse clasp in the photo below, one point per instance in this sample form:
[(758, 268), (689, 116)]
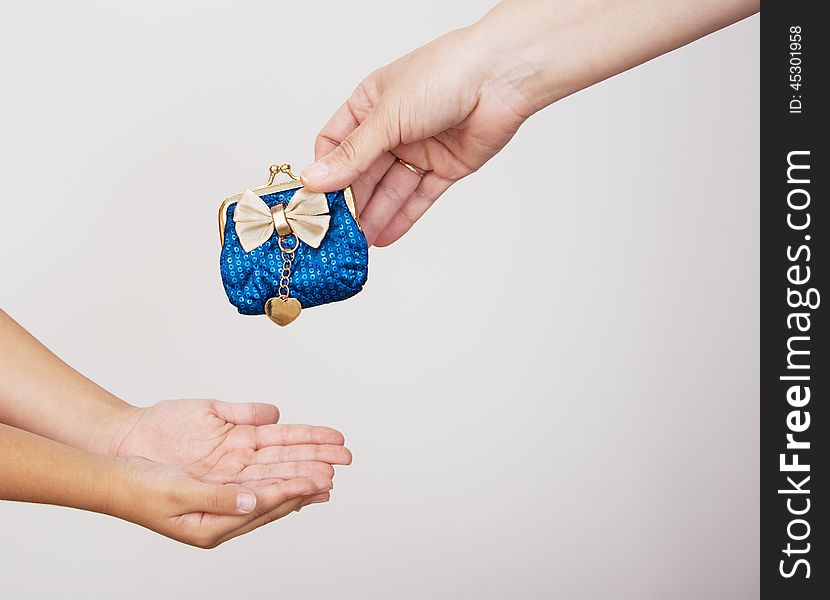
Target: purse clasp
[(276, 169)]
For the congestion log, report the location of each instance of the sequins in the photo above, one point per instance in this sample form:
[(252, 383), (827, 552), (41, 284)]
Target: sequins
[(335, 271)]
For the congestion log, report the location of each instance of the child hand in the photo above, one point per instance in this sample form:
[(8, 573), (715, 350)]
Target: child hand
[(168, 501), (223, 442)]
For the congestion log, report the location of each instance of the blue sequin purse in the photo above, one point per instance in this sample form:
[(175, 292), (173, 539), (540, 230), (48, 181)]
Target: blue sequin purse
[(285, 248)]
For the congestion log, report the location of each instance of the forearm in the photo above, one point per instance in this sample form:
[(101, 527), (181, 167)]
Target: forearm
[(35, 469), (547, 49), (156, 496), (42, 394)]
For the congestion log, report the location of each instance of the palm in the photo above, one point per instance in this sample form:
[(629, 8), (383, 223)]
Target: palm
[(232, 443)]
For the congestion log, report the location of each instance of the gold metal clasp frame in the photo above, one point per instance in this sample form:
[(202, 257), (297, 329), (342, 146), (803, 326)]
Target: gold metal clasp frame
[(275, 170)]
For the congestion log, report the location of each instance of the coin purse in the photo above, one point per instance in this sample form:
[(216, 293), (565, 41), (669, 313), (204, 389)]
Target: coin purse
[(285, 248)]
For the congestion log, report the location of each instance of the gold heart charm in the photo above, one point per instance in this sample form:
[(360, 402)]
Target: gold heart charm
[(283, 311)]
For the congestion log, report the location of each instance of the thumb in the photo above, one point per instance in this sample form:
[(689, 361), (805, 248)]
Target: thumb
[(221, 500), (353, 156)]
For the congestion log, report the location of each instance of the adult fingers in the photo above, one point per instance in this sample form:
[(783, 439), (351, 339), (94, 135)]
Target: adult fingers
[(330, 137), (364, 186), (285, 470), (284, 435), (332, 454), (353, 155), (342, 123), (345, 120), (247, 413), (422, 198), (389, 196)]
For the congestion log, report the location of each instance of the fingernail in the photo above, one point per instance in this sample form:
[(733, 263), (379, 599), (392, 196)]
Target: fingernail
[(245, 501), (315, 171)]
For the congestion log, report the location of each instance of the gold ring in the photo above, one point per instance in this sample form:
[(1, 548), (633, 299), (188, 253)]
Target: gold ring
[(418, 171)]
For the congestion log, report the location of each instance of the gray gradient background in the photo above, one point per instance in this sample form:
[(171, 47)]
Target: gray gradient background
[(589, 430)]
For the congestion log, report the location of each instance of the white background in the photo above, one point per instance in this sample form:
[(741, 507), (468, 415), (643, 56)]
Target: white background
[(569, 415)]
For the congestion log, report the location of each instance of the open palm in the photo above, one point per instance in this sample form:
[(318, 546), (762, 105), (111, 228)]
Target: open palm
[(224, 442)]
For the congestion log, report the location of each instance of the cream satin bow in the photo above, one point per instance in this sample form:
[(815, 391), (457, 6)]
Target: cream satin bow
[(305, 215)]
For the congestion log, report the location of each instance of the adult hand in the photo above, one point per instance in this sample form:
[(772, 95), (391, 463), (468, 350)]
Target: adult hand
[(450, 106), (168, 501), (223, 442), (437, 108)]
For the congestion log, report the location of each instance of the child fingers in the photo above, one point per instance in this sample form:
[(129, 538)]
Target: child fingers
[(286, 435), (332, 454), (274, 509), (286, 470)]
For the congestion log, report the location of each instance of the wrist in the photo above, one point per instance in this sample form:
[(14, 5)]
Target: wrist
[(104, 486), (123, 489), (517, 68), (546, 50), (114, 424), (145, 492)]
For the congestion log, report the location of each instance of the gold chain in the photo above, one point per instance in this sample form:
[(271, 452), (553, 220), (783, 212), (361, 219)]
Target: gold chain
[(287, 255)]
